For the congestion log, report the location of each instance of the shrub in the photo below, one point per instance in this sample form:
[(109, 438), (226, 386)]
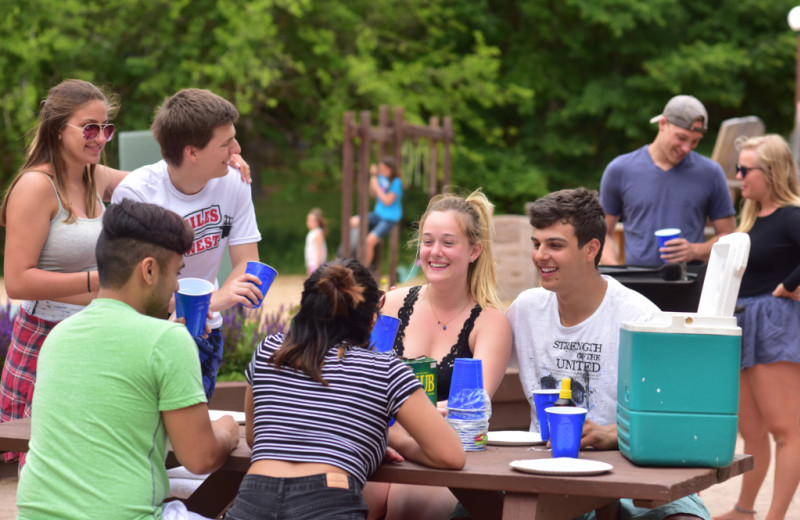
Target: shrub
[(8, 313), (241, 333)]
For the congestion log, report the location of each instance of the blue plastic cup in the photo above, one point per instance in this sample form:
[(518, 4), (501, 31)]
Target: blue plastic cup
[(543, 399), (566, 428), (192, 301), (466, 385), (664, 236), (383, 333), (264, 273)]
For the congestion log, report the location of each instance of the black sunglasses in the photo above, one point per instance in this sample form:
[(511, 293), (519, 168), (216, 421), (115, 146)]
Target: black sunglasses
[(744, 170)]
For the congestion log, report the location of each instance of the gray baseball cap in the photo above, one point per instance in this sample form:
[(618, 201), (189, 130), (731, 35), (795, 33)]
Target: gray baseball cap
[(684, 111)]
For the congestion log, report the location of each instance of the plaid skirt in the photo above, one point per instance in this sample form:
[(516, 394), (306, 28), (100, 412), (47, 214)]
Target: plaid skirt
[(19, 371)]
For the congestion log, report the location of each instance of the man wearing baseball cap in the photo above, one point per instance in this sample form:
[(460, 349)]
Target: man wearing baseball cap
[(666, 184)]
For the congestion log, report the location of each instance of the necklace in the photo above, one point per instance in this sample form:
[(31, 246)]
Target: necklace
[(438, 320)]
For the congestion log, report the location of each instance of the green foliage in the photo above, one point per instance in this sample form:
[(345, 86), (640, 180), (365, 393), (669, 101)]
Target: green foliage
[(242, 331), (601, 69), (542, 93)]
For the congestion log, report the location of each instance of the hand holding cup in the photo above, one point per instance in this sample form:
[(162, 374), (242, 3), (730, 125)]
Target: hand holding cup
[(668, 242), (264, 276), (192, 301)]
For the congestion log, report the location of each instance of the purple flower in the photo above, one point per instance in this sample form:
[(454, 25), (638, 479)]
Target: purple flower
[(8, 313)]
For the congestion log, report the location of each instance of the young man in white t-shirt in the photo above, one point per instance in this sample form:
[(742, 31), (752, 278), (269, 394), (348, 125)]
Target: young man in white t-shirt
[(569, 327), (196, 133)]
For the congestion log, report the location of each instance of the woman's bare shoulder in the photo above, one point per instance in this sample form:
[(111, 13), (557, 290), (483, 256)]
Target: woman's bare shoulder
[(36, 181), (394, 300), (33, 192), (491, 317)]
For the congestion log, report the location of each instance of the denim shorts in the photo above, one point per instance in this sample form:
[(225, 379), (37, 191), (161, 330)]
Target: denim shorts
[(770, 328), (380, 227), (302, 498)]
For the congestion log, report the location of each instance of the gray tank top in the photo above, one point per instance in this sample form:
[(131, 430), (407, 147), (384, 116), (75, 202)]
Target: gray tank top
[(69, 248)]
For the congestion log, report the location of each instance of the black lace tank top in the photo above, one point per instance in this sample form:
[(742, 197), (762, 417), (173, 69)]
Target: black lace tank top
[(459, 350)]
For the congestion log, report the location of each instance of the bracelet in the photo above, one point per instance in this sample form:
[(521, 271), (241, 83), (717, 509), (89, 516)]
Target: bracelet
[(88, 282), (743, 511)]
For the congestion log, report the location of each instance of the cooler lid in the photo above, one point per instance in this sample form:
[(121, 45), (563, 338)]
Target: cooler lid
[(726, 267), (686, 323)]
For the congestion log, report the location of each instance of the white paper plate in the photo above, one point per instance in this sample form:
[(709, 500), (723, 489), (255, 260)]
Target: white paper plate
[(514, 438), (561, 466), (216, 414)]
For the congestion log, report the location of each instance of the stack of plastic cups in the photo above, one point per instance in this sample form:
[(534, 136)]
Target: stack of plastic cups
[(382, 337), (467, 406)]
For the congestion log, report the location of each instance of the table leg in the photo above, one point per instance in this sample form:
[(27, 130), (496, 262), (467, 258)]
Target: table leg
[(215, 493), (482, 505), (609, 511)]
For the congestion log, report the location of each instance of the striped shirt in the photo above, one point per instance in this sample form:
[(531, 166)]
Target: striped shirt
[(343, 424)]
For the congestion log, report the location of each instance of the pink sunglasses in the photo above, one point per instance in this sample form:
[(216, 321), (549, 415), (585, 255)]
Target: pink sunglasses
[(92, 130)]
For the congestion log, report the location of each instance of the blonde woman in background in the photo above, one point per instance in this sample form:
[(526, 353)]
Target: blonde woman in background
[(456, 314), (769, 398)]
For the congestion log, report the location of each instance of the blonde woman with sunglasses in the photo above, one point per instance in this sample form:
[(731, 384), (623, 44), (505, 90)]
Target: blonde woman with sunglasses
[(53, 212)]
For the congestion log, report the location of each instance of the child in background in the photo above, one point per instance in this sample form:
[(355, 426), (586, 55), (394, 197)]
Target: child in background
[(386, 185), (316, 248)]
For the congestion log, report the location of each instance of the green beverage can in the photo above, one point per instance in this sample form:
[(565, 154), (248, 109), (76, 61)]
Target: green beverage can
[(425, 369)]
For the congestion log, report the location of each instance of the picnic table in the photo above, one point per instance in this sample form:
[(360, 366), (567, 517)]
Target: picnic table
[(487, 486)]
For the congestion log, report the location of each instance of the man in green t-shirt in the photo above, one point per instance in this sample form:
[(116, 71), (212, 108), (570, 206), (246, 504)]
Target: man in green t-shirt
[(115, 382)]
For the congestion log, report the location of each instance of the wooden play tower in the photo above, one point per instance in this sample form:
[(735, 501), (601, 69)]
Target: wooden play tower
[(389, 135)]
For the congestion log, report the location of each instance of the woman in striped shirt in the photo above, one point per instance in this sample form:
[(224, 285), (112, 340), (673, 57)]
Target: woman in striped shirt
[(319, 404)]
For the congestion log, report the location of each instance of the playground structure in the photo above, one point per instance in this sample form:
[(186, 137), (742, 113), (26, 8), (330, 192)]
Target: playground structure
[(389, 133)]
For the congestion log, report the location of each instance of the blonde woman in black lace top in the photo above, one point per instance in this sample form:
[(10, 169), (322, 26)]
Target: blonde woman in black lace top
[(456, 314)]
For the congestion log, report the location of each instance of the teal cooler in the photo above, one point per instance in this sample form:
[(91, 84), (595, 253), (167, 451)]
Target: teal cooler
[(678, 390)]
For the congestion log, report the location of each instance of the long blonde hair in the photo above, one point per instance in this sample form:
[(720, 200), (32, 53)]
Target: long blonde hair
[(777, 165), (62, 101), (474, 212)]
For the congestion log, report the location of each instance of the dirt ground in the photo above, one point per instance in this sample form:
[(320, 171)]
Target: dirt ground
[(286, 291)]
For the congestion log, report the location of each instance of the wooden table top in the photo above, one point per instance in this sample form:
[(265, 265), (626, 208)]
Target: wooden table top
[(488, 471)]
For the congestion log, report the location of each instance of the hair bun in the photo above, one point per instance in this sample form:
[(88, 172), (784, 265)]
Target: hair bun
[(340, 288)]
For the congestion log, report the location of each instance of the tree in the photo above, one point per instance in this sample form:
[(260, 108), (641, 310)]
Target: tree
[(543, 93)]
